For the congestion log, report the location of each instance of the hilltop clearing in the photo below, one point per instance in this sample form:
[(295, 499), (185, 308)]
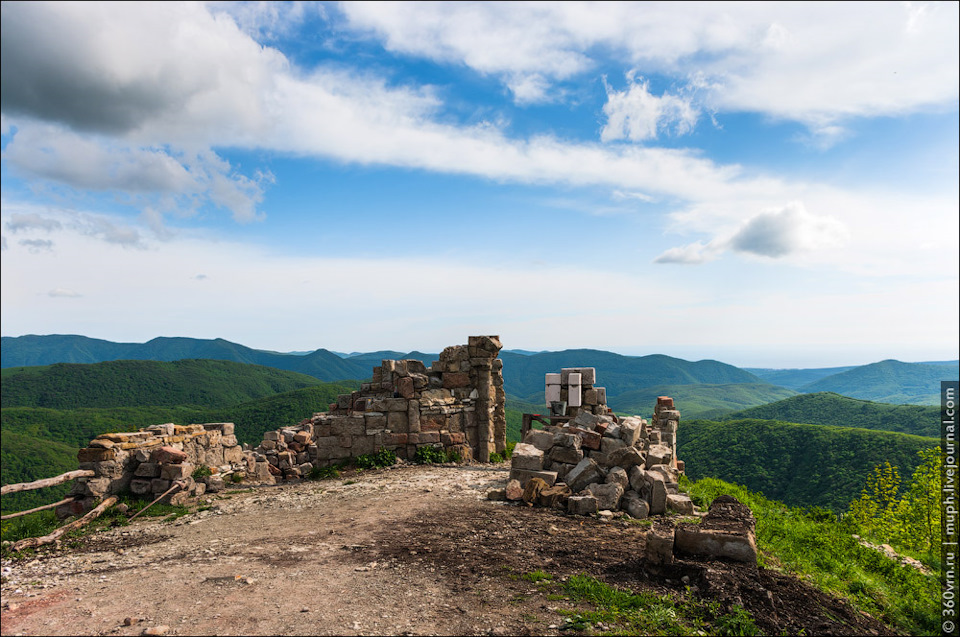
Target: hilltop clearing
[(406, 550)]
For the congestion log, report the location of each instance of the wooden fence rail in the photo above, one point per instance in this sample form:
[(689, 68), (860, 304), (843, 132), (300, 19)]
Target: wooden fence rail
[(32, 542), (46, 482)]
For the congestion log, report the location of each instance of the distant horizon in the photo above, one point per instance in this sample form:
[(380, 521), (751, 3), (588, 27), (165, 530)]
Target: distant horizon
[(622, 351)]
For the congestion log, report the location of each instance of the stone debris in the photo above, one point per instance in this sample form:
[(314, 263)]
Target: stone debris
[(727, 531), (600, 462)]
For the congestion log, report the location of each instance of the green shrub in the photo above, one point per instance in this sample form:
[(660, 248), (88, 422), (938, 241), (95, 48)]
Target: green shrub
[(496, 458), (429, 455), (324, 473), (382, 458), (452, 456), (202, 471)]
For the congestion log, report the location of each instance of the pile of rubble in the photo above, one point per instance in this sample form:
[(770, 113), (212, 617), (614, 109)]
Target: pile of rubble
[(596, 462)]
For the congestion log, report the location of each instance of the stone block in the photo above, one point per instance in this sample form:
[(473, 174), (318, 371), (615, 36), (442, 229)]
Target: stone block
[(527, 457), (397, 421), (659, 546), (715, 543), (609, 445), (634, 505), (630, 431), (168, 455), (176, 471), (514, 490), (542, 440), (450, 439), (271, 435), (637, 477), (607, 495), (141, 486), (658, 454), (585, 420), (680, 503), (524, 475), (565, 439), (588, 439), (625, 458), (159, 485), (233, 455), (453, 380), (147, 470), (567, 455), (664, 402), (584, 473), (582, 505), (617, 475), (413, 416), (555, 497), (658, 496), (96, 454), (405, 387), (214, 484), (562, 470)]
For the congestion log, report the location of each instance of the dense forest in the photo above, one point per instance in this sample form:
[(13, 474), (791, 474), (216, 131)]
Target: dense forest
[(827, 408), (813, 465)]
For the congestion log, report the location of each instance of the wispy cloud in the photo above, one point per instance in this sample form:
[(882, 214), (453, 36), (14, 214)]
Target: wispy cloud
[(37, 245), (63, 293), (31, 221)]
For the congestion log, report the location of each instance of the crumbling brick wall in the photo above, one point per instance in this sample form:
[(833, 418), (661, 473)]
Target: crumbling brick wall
[(456, 404)]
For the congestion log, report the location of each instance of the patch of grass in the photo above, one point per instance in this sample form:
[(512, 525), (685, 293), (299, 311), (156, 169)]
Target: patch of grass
[(497, 458), (324, 473), (621, 611), (32, 525), (821, 548), (200, 472), (538, 576)]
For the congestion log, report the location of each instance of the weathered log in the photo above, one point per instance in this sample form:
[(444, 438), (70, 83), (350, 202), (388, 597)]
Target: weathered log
[(46, 482), (10, 516), (33, 542)]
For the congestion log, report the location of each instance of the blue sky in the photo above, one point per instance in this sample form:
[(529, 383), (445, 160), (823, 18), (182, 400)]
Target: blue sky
[(765, 184)]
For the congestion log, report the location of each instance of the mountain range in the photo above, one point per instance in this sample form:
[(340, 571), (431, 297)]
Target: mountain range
[(630, 380)]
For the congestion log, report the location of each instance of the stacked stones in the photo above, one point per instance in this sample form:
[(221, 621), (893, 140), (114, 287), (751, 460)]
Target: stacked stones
[(575, 386), (596, 463), (149, 460), (456, 404)]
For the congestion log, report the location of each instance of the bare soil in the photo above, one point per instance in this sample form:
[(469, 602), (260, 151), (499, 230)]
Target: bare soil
[(404, 550)]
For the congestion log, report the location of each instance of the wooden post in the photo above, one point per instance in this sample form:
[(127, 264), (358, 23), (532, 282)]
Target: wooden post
[(525, 423), (32, 542), (10, 516), (46, 482)]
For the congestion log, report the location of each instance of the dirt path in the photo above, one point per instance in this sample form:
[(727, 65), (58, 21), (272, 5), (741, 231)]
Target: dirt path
[(407, 550)]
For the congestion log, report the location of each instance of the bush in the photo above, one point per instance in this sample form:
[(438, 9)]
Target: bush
[(383, 458), (324, 473), (202, 471), (429, 455)]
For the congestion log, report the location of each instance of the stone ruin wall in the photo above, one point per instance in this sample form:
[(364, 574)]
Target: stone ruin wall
[(456, 404), (149, 461)]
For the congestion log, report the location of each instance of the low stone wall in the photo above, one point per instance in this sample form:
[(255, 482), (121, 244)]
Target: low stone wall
[(148, 461), (597, 462), (456, 404)]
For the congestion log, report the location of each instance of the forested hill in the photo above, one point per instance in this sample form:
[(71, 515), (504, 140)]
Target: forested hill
[(26, 351), (523, 374), (889, 381), (827, 408), (206, 383), (797, 464)]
